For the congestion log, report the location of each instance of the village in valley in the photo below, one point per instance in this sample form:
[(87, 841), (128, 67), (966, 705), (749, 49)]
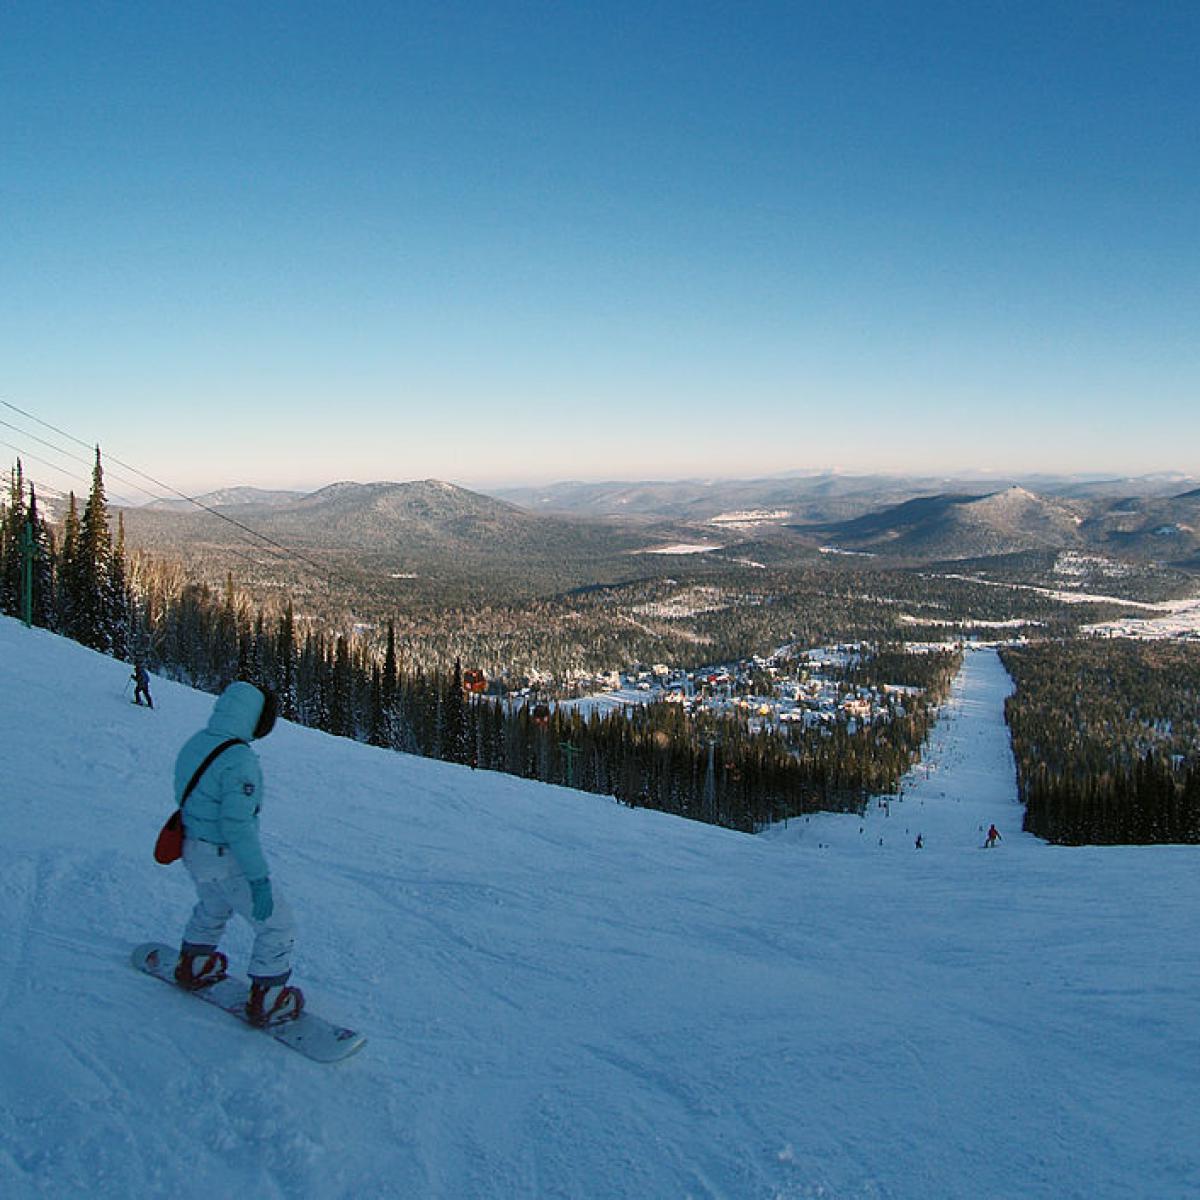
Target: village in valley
[(793, 687)]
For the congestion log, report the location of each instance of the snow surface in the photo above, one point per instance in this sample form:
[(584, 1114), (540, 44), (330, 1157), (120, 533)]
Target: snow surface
[(684, 548), (1176, 619), (567, 998), (1170, 619)]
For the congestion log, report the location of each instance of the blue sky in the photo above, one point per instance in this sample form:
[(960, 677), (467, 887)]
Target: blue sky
[(285, 244)]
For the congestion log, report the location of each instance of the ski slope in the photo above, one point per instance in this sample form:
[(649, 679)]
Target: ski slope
[(567, 998), (966, 781)]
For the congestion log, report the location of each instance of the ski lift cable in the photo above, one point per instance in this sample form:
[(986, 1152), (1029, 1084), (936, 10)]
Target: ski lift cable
[(42, 441), (271, 546), (26, 456), (44, 488), (110, 474), (57, 493), (110, 458), (279, 546), (53, 490)]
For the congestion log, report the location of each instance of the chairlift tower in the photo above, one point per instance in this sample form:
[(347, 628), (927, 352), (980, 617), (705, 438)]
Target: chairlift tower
[(710, 782), (570, 751)]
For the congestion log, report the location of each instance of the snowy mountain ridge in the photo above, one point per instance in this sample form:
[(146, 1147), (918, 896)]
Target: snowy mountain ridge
[(568, 998)]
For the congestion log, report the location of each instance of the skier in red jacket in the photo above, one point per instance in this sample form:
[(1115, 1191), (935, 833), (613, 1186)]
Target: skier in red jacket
[(993, 836)]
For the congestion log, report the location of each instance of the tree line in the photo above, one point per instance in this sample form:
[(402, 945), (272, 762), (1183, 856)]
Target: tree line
[(78, 583), (723, 769), (584, 614), (1105, 733), (726, 770)]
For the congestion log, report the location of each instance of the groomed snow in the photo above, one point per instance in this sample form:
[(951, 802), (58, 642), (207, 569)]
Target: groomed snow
[(567, 998)]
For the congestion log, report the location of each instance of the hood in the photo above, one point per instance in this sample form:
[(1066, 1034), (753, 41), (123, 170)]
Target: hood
[(236, 712)]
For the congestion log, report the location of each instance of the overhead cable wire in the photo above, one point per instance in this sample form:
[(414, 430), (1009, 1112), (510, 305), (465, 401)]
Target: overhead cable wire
[(59, 494), (109, 472), (279, 546), (56, 493), (25, 456), (43, 488)]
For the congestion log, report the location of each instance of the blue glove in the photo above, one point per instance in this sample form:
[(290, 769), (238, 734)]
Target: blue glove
[(262, 903)]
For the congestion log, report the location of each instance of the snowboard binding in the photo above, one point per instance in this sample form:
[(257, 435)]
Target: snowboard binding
[(273, 1004), (196, 971)]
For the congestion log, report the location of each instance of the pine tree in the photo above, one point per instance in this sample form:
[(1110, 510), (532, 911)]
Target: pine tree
[(119, 603), (285, 664), (377, 728), (341, 709), (391, 673), (454, 727), (94, 618), (43, 566), (228, 654), (70, 586), (10, 539)]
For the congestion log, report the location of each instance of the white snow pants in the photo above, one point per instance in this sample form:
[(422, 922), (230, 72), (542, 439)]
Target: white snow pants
[(222, 890)]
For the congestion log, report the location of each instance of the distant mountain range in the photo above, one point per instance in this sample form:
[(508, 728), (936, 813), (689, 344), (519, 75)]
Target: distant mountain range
[(431, 525), (364, 515), (959, 526), (1151, 517), (426, 528), (224, 498), (948, 526), (816, 497)]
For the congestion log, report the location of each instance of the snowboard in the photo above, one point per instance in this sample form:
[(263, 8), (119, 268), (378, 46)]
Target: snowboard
[(313, 1036)]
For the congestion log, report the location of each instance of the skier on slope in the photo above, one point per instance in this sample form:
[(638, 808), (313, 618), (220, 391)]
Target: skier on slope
[(141, 681), (993, 836), (222, 854)]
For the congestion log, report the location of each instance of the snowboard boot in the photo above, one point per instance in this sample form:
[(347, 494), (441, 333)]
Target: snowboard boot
[(198, 969), (271, 1002)]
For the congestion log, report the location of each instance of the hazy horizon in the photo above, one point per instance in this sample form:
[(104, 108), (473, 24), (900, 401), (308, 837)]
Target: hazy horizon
[(964, 476)]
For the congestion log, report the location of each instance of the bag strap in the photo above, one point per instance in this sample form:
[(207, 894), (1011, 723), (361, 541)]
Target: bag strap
[(208, 762)]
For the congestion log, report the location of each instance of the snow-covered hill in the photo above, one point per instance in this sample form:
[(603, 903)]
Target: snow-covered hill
[(566, 998)]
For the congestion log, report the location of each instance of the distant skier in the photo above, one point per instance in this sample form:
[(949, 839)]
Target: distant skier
[(993, 836), (222, 854), (141, 679), (920, 842)]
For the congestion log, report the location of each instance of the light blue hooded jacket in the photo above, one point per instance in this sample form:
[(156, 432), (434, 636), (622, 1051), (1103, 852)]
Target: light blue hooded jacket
[(224, 806)]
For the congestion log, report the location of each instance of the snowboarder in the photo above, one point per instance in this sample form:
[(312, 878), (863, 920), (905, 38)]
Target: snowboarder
[(222, 854), (141, 680), (993, 836)]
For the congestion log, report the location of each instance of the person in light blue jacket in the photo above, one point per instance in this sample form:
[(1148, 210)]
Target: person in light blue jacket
[(222, 853)]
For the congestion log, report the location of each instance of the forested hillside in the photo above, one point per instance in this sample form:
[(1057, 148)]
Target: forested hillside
[(719, 769), (1105, 733)]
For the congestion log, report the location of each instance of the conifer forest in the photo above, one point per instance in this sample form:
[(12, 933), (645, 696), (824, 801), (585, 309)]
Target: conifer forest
[(1105, 733), (1104, 730)]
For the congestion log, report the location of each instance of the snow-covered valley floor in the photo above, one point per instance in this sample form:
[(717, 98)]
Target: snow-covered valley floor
[(567, 998)]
